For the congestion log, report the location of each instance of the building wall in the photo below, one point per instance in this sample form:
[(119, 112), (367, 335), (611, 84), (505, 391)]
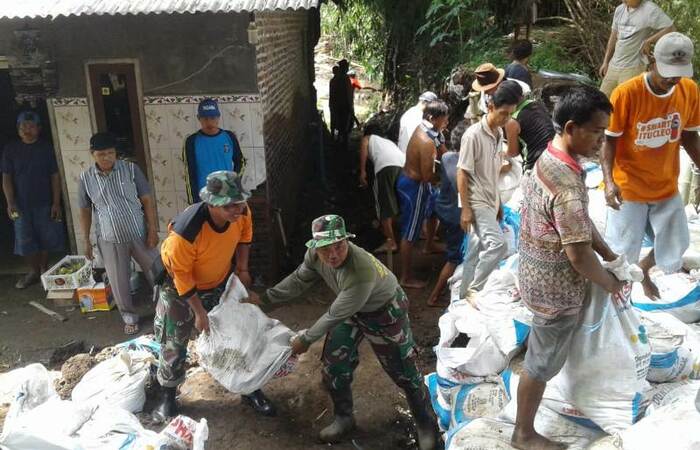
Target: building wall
[(285, 82), (170, 47), (169, 119)]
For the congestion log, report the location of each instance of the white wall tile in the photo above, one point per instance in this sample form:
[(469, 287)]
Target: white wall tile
[(179, 170), (73, 127), (182, 121), (166, 203), (161, 165), (157, 126), (182, 201), (257, 124), (74, 162), (260, 167), (237, 118)]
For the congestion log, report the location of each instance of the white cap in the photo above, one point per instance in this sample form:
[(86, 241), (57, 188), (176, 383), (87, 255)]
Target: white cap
[(428, 96), (674, 56)]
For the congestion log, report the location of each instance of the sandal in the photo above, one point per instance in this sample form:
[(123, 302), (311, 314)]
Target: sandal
[(27, 280), (131, 328)]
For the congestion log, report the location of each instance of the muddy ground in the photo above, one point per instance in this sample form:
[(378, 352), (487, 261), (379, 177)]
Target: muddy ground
[(27, 335)]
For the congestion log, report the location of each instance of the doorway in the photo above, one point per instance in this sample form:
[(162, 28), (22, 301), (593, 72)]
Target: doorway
[(116, 106)]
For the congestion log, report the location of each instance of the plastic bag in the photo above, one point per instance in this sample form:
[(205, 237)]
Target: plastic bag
[(244, 348), (474, 401), (481, 357), (679, 296), (441, 391), (119, 381), (604, 375), (509, 181)]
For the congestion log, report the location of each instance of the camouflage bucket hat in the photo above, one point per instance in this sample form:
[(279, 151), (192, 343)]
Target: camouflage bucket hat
[(223, 188), (327, 230)]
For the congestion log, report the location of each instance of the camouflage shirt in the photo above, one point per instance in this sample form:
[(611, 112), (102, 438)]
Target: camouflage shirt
[(361, 284)]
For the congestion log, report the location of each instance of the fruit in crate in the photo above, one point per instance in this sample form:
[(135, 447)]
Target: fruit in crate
[(70, 267)]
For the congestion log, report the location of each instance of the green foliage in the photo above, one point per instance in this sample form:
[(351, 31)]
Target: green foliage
[(550, 55), (356, 32), (449, 21)]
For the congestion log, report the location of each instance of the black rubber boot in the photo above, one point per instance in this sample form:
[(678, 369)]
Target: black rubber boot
[(426, 425), (344, 422), (167, 405), (261, 404)]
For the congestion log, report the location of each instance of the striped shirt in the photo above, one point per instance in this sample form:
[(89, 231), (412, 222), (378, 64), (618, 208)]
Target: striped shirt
[(114, 199)]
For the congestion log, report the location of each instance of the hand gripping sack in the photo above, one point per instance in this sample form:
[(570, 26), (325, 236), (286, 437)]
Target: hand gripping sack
[(244, 348), (605, 373), (680, 297)]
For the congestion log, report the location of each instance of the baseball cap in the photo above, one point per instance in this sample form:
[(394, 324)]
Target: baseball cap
[(102, 141), (327, 230), (673, 54), (208, 108), (28, 116), (428, 96), (487, 77), (223, 188)]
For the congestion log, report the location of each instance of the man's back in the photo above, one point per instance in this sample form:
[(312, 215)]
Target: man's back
[(420, 152)]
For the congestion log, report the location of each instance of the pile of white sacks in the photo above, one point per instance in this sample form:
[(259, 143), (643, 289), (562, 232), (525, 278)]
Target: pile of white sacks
[(630, 381)]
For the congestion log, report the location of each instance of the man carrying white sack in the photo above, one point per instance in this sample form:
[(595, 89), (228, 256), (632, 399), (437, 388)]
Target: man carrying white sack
[(558, 246), (196, 258), (369, 303)]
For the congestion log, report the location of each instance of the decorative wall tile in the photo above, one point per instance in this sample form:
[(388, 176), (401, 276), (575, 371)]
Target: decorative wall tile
[(166, 203), (74, 162), (157, 126), (161, 165), (237, 118), (182, 122), (182, 201), (256, 116), (179, 170), (73, 127), (260, 168), (69, 101), (195, 99)]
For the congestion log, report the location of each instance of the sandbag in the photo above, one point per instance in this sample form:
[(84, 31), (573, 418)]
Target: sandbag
[(509, 181), (679, 296), (480, 434), (674, 348), (604, 375), (477, 400), (597, 209), (441, 391), (481, 357), (244, 348), (119, 381)]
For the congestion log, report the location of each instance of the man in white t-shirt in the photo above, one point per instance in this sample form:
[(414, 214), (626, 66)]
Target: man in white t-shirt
[(388, 161), (636, 26), (412, 118)]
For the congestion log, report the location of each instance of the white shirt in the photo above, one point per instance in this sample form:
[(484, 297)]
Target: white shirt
[(384, 153), (409, 122), (633, 26)]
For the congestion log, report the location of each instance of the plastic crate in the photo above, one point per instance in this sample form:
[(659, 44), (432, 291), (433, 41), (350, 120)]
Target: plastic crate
[(51, 279)]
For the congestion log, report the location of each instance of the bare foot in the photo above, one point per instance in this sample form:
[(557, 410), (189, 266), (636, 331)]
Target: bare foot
[(414, 284), (534, 441), (436, 302), (386, 246), (435, 248), (650, 289)]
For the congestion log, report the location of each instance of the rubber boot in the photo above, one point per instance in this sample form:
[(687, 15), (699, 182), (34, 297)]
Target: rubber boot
[(166, 406), (261, 404), (344, 422), (426, 425)]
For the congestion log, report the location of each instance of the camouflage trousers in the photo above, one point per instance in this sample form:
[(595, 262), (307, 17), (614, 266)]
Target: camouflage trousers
[(173, 325), (388, 332)]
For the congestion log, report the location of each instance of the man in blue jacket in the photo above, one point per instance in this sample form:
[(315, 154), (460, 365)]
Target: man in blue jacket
[(210, 149)]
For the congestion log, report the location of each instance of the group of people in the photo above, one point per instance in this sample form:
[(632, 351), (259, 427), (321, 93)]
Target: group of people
[(638, 131)]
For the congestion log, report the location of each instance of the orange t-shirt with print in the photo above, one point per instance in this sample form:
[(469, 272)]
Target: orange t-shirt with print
[(648, 128)]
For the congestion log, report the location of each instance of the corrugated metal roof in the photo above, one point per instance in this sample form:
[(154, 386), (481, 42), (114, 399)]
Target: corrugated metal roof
[(55, 8)]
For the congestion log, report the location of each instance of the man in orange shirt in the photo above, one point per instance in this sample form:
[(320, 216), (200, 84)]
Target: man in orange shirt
[(654, 113), (196, 256)]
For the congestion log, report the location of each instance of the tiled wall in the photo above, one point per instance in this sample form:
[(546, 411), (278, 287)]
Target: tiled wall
[(169, 120)]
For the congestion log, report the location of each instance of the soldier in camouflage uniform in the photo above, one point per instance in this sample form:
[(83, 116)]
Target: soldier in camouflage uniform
[(369, 303), (196, 257)]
